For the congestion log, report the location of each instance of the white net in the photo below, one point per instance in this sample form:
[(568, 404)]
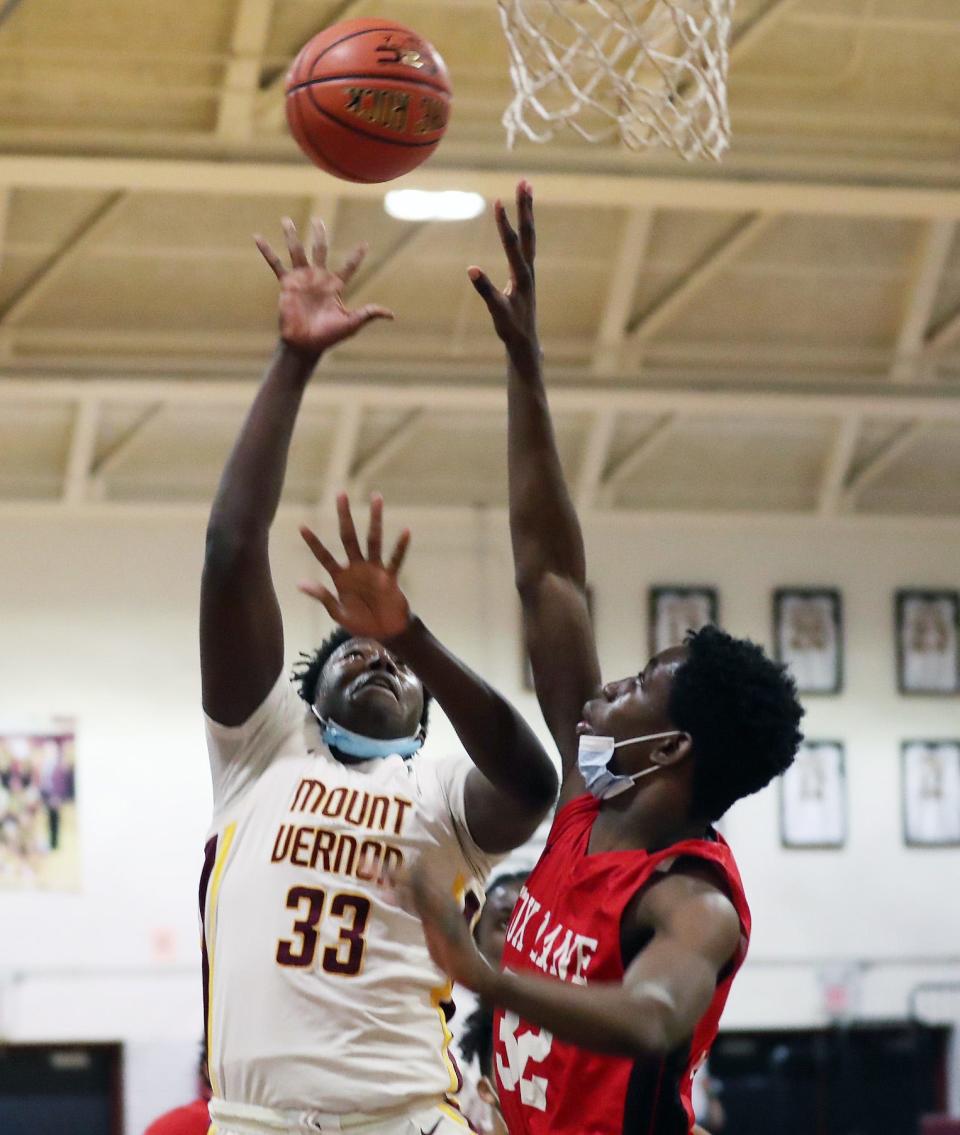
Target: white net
[(651, 72)]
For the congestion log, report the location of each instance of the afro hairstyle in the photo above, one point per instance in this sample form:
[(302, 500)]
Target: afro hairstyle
[(306, 672), (742, 712), (477, 1039)]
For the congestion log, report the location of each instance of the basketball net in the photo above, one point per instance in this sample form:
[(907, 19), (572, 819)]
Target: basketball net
[(651, 72)]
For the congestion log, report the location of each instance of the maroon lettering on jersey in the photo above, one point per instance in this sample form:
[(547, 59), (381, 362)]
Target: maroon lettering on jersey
[(567, 924)]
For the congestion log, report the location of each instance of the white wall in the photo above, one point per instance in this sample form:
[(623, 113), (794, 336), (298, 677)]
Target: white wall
[(99, 621)]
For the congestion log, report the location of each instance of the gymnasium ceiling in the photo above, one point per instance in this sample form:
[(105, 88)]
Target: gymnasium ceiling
[(778, 334)]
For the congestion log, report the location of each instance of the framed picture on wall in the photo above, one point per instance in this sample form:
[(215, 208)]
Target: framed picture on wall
[(928, 643), (813, 797), (672, 611), (808, 637), (526, 669), (930, 779), (39, 842)]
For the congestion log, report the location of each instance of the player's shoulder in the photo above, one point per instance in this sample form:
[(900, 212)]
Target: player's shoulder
[(690, 890), (436, 772)]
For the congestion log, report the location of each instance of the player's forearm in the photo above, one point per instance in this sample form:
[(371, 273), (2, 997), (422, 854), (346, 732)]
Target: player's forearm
[(252, 481), (600, 1018), (496, 737), (543, 522)]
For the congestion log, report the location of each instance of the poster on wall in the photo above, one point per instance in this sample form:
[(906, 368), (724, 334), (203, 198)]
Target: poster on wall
[(808, 637), (813, 797), (675, 610), (931, 793), (38, 821), (928, 643)]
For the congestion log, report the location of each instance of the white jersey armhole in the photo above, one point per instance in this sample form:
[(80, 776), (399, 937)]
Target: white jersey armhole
[(240, 753)]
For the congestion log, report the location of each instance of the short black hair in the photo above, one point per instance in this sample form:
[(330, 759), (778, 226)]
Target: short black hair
[(742, 712), (477, 1039), (504, 878), (306, 672)]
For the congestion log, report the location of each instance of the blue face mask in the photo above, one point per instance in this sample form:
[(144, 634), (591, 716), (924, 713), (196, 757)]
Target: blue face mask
[(366, 748), (593, 758)]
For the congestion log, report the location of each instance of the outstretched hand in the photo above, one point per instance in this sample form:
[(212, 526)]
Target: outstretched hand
[(448, 936), (312, 315), (368, 602), (514, 310)]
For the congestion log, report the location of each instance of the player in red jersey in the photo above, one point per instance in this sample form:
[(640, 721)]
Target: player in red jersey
[(193, 1118), (632, 926)]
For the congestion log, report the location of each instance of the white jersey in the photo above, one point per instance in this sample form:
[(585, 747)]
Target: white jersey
[(320, 994)]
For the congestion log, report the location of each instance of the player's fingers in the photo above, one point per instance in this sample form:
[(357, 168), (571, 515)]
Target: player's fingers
[(318, 231), (270, 256), (399, 552), (375, 531), (519, 269), (322, 595), (298, 258), (348, 531), (496, 301), (367, 314), (320, 552), (353, 262), (482, 283), (528, 231)]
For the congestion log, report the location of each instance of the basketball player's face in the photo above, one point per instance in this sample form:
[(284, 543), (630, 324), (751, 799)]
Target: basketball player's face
[(493, 922), (635, 706), (363, 687)]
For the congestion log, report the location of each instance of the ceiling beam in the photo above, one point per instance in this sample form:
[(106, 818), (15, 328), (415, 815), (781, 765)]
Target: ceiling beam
[(748, 35), (63, 259), (373, 269), (241, 81), (930, 262), (268, 109), (6, 196), (837, 465), (717, 258), (936, 405), (696, 191), (618, 308), (944, 334), (121, 448), (83, 444), (594, 462), (901, 443), (385, 451), (655, 437), (342, 453), (686, 520)]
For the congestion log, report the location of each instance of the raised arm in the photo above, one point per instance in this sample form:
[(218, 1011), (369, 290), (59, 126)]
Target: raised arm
[(514, 783), (665, 991), (241, 632), (548, 549)]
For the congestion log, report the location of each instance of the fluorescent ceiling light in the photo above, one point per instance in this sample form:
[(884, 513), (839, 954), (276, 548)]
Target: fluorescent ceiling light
[(422, 205)]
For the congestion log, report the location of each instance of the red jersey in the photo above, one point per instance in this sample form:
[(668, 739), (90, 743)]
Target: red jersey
[(194, 1119), (567, 924)]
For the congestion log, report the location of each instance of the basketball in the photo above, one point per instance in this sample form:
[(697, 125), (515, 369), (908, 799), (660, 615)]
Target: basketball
[(368, 100)]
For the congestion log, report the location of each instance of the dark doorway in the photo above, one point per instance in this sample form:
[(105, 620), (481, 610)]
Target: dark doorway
[(862, 1080), (55, 1089)]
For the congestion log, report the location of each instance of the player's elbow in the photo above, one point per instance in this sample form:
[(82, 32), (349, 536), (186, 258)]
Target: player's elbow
[(542, 786), (228, 547), (653, 1029)]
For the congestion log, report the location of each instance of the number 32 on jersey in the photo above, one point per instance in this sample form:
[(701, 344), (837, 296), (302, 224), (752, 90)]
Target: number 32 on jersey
[(533, 1045), (344, 958)]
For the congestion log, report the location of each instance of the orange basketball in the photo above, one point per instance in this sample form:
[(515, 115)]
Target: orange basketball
[(368, 100)]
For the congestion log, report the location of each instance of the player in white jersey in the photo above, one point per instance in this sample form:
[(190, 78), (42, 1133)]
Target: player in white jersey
[(323, 1009)]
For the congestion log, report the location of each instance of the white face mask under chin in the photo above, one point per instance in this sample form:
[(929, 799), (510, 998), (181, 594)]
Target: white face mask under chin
[(593, 759)]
